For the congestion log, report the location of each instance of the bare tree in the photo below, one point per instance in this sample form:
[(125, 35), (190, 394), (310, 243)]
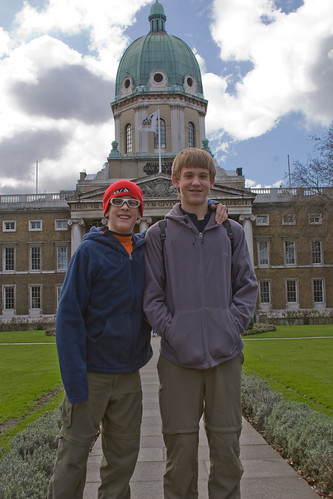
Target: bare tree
[(318, 170)]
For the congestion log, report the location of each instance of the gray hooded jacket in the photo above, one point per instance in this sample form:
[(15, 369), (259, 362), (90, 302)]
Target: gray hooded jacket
[(199, 296)]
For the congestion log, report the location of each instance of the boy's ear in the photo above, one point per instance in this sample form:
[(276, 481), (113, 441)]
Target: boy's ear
[(212, 181), (175, 181)]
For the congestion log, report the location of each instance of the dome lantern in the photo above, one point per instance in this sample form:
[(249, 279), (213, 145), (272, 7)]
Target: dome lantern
[(157, 18)]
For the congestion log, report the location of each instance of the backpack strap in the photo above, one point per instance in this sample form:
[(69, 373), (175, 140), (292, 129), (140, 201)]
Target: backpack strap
[(227, 226), (162, 224)]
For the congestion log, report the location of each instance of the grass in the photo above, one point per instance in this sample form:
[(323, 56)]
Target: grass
[(296, 361), (30, 381), (300, 369)]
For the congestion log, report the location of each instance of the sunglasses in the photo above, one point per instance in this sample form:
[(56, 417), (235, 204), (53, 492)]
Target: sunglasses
[(131, 203)]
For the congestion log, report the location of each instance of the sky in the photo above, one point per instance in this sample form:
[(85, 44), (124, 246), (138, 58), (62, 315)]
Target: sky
[(266, 65)]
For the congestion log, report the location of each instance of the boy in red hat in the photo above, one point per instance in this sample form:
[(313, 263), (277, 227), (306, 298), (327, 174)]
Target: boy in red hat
[(103, 340)]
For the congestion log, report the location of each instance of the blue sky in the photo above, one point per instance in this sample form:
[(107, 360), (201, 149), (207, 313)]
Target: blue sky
[(267, 70)]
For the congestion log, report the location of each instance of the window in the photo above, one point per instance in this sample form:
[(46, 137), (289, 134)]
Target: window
[(35, 297), (289, 253), (61, 225), (318, 290), (35, 258), (316, 252), (315, 219), (263, 253), (289, 219), (9, 226), (191, 135), (8, 297), (62, 258), (163, 135), (291, 291), (59, 289), (262, 220), (9, 259), (264, 292), (35, 225), (128, 135)]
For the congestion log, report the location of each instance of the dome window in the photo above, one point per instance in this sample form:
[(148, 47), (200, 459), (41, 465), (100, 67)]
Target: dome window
[(189, 82), (128, 138), (191, 135), (163, 136), (127, 83), (158, 77)]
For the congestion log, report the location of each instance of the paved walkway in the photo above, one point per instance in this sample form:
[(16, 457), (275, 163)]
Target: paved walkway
[(266, 474)]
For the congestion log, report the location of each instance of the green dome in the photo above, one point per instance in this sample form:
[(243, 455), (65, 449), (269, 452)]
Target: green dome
[(158, 62)]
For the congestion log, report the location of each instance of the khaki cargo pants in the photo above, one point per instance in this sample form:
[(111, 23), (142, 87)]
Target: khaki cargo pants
[(116, 401), (185, 395)]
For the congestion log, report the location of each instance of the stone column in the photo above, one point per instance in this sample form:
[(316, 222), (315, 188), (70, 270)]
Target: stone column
[(141, 137), (76, 225), (145, 222), (246, 221), (177, 127)]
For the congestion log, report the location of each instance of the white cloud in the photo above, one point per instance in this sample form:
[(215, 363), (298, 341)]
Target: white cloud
[(292, 65), (58, 69)]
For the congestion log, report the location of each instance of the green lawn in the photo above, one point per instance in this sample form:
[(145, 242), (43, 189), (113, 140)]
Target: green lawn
[(300, 369), (297, 361), (29, 380)]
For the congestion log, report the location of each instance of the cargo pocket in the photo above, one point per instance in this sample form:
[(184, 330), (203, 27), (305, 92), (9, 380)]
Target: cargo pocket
[(66, 413)]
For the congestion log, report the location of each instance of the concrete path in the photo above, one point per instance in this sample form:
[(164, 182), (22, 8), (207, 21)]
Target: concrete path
[(266, 474)]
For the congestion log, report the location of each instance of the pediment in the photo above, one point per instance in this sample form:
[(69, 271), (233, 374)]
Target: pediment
[(160, 186)]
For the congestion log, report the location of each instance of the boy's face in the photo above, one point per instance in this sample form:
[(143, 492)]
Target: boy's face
[(193, 185), (122, 219)]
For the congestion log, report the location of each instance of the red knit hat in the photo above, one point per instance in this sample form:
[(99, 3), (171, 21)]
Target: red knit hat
[(122, 188)]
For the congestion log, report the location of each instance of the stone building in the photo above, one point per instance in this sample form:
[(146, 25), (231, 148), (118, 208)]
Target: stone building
[(286, 230)]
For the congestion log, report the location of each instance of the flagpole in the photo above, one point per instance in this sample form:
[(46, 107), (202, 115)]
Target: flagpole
[(159, 143)]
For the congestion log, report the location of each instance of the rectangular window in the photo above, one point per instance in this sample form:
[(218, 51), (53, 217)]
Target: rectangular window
[(291, 291), (62, 258), (289, 253), (289, 219), (59, 289), (316, 252), (264, 289), (35, 225), (9, 259), (9, 226), (35, 294), (61, 225), (315, 219), (318, 290), (262, 220), (35, 258), (8, 297), (263, 253)]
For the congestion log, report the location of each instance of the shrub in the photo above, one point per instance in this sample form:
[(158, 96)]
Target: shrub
[(306, 437), (26, 470), (301, 434), (258, 399)]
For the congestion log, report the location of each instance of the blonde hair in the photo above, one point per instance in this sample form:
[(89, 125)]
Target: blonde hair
[(192, 157)]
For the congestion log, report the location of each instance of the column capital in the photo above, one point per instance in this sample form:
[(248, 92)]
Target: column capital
[(250, 218), (78, 221)]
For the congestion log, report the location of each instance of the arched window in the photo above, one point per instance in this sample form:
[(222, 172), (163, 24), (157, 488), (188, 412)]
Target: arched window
[(163, 135), (128, 136), (191, 135)]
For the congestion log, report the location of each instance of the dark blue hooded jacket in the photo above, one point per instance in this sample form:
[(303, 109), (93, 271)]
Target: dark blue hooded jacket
[(100, 323)]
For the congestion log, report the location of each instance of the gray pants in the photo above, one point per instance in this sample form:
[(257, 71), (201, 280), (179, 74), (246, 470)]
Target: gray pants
[(185, 395), (116, 401)]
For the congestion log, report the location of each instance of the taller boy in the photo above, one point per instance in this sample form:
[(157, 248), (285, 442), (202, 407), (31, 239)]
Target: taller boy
[(200, 295)]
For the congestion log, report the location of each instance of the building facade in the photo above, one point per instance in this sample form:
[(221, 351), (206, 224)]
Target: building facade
[(287, 230)]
